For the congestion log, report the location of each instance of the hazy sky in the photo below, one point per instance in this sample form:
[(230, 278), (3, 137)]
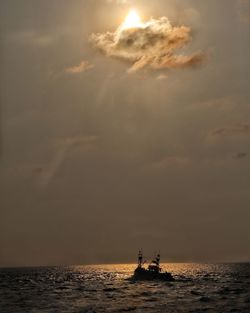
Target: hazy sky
[(100, 157)]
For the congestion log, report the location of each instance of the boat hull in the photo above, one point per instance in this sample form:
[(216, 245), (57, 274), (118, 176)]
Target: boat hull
[(144, 274)]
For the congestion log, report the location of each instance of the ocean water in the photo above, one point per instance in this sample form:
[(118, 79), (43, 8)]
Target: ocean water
[(88, 289)]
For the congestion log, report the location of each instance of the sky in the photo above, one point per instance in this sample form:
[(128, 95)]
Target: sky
[(115, 139)]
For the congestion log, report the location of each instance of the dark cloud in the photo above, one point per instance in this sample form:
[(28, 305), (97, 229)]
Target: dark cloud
[(240, 155), (172, 160), (241, 129), (153, 45), (37, 171)]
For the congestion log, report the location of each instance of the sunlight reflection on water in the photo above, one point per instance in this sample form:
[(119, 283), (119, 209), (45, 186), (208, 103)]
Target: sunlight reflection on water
[(105, 288)]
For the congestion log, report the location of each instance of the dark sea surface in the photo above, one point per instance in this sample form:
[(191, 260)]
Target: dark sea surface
[(106, 288)]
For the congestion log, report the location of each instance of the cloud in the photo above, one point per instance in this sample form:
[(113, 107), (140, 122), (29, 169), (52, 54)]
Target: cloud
[(241, 129), (169, 161), (82, 67), (240, 155), (118, 1), (152, 45), (161, 77), (62, 147)]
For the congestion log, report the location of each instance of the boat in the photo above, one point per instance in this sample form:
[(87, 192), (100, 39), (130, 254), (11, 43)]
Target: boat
[(153, 272)]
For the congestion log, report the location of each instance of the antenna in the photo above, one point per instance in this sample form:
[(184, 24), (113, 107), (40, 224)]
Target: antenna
[(140, 258)]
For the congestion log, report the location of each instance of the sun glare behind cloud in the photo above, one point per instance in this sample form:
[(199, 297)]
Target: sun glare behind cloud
[(132, 20)]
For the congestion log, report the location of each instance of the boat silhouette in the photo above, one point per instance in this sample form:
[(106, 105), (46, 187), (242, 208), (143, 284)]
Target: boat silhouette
[(153, 272)]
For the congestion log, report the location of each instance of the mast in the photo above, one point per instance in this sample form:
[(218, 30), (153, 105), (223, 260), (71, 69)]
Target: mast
[(157, 259), (140, 258)]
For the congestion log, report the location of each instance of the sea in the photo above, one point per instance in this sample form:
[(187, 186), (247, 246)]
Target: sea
[(108, 288)]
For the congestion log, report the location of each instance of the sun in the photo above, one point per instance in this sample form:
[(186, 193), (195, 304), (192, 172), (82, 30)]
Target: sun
[(132, 20)]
